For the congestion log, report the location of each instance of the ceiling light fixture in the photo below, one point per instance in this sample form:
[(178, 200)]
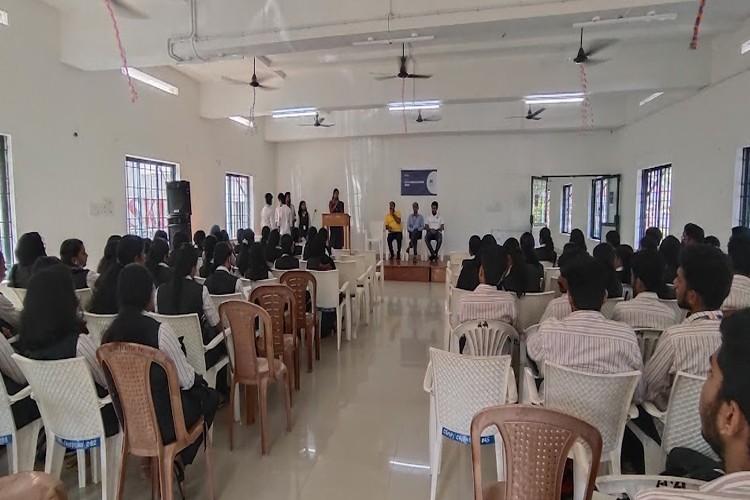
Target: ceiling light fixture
[(390, 41), (409, 465), (242, 121), (294, 112), (651, 16), (3, 17), (151, 80), (650, 98), (413, 106), (745, 47), (560, 98)]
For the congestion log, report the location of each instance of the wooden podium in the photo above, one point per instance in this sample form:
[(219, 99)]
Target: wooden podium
[(339, 220)]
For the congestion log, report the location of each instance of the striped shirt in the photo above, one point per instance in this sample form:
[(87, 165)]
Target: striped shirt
[(588, 342), (739, 295), (169, 345), (685, 347), (735, 486), (646, 311), (558, 308), (487, 302), (8, 366)]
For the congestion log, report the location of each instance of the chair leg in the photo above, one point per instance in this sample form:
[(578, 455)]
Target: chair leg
[(54, 459), (348, 318), (94, 458), (232, 396), (81, 455), (296, 368), (209, 467), (123, 467), (309, 340), (263, 399), (166, 473), (338, 327), (250, 396), (24, 448), (287, 390), (155, 482), (499, 458), (317, 338), (436, 466)]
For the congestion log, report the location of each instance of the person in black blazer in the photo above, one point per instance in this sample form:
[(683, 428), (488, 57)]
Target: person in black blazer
[(272, 250), (257, 267), (469, 277), (546, 252), (222, 281), (303, 218), (157, 262), (287, 259)]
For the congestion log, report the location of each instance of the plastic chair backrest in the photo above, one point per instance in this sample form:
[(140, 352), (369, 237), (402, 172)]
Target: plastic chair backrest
[(240, 317), (218, 300), (682, 427), (457, 258), (270, 281), (484, 338), (7, 423), (462, 386), (84, 297), (299, 282), (65, 394), (199, 280), (549, 273), (537, 442), (602, 400), (608, 308), (328, 288), (276, 299), (531, 308), (14, 295), (371, 257), (627, 292), (361, 261), (97, 324), (277, 273), (455, 303), (647, 340), (554, 286), (129, 368), (376, 229), (546, 264), (188, 328), (348, 274)]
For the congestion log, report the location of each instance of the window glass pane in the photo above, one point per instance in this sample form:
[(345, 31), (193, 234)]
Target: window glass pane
[(7, 236), (146, 195), (540, 210), (655, 199), (566, 212), (745, 189)]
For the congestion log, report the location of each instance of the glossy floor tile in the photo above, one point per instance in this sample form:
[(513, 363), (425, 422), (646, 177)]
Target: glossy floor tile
[(360, 422)]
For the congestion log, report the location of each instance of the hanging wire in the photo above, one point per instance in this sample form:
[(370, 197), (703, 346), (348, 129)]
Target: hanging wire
[(696, 28), (123, 56)]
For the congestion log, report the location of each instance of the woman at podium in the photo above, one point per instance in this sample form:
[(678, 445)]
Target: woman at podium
[(336, 206)]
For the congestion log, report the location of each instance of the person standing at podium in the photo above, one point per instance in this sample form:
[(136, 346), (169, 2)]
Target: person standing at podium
[(394, 228), (336, 234)]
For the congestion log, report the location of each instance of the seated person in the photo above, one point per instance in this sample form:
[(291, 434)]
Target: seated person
[(546, 252), (30, 247), (486, 301), (317, 258), (670, 249), (222, 281), (73, 254), (468, 279), (702, 283), (184, 295), (104, 300), (272, 250), (287, 259), (434, 226), (624, 263), (157, 261), (393, 227), (109, 257), (586, 341), (535, 269), (51, 325), (516, 278), (209, 247), (559, 307), (646, 310), (605, 254), (297, 250), (132, 325), (199, 238), (311, 234), (414, 228), (725, 416), (739, 252), (257, 267)]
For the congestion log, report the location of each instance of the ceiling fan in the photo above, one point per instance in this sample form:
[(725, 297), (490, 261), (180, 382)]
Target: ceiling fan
[(421, 119), (531, 115), (403, 73), (318, 122), (124, 9), (254, 82), (585, 56)]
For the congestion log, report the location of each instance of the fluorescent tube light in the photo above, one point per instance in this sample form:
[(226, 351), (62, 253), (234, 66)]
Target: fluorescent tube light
[(652, 97), (242, 121), (3, 17), (409, 465), (651, 16), (745, 47), (413, 106), (293, 113), (151, 80), (560, 98), (408, 39)]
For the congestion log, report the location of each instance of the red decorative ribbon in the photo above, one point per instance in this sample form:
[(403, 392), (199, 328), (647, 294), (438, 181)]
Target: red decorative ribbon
[(587, 115), (696, 28), (123, 57)]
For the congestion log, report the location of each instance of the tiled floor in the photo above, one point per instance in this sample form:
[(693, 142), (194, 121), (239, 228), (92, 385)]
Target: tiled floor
[(360, 422)]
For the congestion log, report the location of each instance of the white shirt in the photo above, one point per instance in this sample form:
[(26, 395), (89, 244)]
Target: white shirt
[(284, 219), (9, 313), (646, 311), (735, 486), (267, 217), (558, 308), (739, 295), (208, 305), (170, 345), (434, 221), (91, 278)]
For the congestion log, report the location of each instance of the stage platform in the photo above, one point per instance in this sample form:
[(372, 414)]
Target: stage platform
[(421, 271)]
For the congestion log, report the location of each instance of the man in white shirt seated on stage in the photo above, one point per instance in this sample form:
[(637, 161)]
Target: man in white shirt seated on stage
[(586, 341), (739, 252), (284, 216), (268, 213), (702, 283), (725, 416), (435, 225), (646, 310)]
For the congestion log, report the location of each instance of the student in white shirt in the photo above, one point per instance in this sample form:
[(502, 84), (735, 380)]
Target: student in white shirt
[(725, 416), (739, 252), (288, 202), (435, 225), (284, 216), (646, 310), (268, 214)]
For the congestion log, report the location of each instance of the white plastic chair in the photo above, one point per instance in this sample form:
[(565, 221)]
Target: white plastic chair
[(531, 307), (97, 324), (71, 411), (682, 424), (554, 286), (376, 274), (647, 340), (348, 274), (199, 280), (364, 282), (220, 299), (277, 273), (546, 264), (14, 295), (630, 485), (328, 300), (458, 258), (484, 338), (84, 297), (461, 386), (21, 443), (608, 308), (375, 237), (549, 273), (453, 310)]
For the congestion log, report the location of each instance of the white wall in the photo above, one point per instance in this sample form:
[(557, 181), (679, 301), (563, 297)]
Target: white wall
[(57, 176), (484, 181)]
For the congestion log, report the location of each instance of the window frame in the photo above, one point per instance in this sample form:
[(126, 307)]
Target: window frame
[(598, 207), (7, 202), (566, 209), (660, 207), (545, 208), (744, 215), (138, 224), (238, 221)]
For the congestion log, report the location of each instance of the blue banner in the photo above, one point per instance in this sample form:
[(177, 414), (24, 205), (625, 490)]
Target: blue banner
[(419, 182), (463, 438), (6, 439)]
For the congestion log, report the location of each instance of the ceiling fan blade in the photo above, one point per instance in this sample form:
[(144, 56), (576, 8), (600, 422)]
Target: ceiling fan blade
[(535, 118), (266, 87), (419, 76), (598, 46), (383, 78), (234, 81), (125, 10), (515, 117), (594, 62), (306, 125), (537, 112), (327, 125), (321, 119), (433, 119)]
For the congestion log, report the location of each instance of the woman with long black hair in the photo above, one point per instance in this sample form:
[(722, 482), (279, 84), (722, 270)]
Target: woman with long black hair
[(109, 256), (336, 206), (73, 254), (243, 251), (104, 300), (209, 246), (516, 278), (257, 266), (30, 247), (157, 262), (577, 238), (546, 251), (605, 253), (303, 218), (273, 251)]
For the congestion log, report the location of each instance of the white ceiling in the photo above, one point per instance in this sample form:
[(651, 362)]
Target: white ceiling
[(484, 51)]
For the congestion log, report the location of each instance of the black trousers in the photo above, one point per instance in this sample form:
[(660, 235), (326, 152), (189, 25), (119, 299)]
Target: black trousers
[(399, 237), (414, 237)]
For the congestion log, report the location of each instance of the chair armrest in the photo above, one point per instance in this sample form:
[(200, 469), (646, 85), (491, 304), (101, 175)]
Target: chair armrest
[(25, 392), (530, 381), (344, 288), (379, 264), (105, 401), (652, 410), (214, 342), (427, 384), (633, 412), (13, 339), (362, 278)]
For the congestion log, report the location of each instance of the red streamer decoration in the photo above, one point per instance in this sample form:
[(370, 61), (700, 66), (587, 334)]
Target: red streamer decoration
[(587, 114), (696, 28), (123, 57)]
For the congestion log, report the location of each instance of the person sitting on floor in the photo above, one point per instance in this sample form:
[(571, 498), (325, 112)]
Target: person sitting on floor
[(287, 259), (739, 252)]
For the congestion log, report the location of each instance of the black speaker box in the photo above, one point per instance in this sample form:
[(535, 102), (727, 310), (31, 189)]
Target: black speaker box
[(178, 198), (179, 223)]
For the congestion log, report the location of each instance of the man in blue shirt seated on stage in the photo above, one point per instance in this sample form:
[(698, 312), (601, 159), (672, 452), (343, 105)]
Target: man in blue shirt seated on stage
[(415, 226)]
